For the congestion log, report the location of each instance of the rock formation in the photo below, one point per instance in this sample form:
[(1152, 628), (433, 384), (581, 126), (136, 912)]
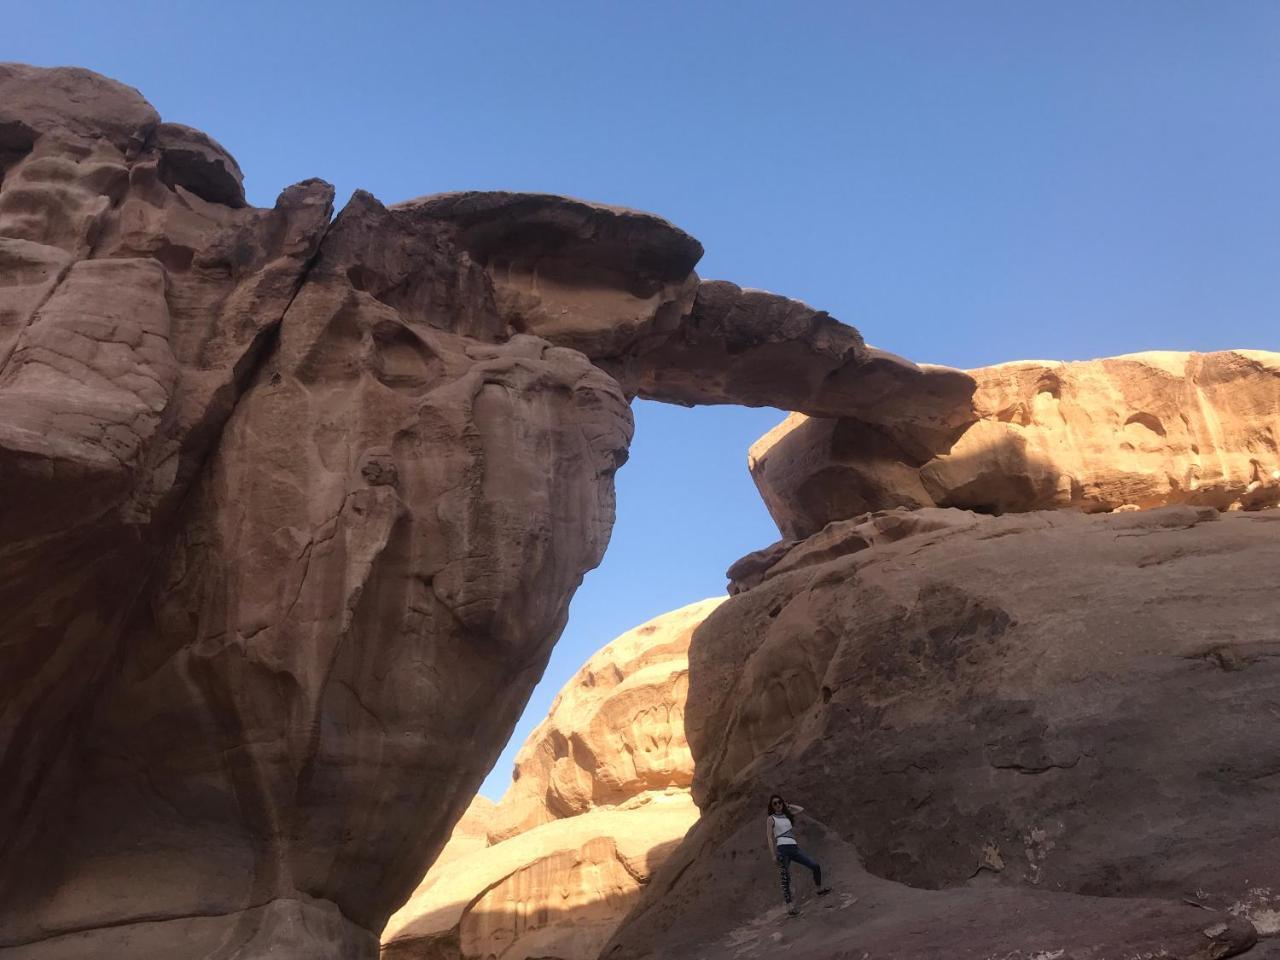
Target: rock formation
[(1046, 734), (1136, 431), (300, 520), (292, 511), (619, 286), (600, 797)]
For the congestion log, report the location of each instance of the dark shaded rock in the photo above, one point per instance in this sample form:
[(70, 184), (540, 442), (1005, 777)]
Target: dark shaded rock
[(193, 160), (839, 539), (1049, 704), (717, 898), (284, 544)]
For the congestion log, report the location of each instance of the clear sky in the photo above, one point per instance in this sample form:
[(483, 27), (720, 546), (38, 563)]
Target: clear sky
[(964, 182)]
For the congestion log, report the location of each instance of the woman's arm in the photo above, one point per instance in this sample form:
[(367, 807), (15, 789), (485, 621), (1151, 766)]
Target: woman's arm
[(768, 831), (795, 808)]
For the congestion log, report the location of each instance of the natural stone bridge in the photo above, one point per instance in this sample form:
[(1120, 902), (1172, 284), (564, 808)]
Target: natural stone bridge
[(292, 508)]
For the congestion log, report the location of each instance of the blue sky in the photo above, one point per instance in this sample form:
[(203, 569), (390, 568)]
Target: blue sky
[(964, 182)]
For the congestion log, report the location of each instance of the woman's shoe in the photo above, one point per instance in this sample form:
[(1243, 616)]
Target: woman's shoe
[(823, 891), (793, 910)]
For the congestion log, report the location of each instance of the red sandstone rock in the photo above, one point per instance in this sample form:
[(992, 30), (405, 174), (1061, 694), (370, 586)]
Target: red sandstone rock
[(600, 798), (1125, 432), (253, 674), (619, 286), (291, 512), (720, 902), (133, 314), (1014, 736)]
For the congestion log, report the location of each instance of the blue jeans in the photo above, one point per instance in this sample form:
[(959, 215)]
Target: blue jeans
[(788, 852)]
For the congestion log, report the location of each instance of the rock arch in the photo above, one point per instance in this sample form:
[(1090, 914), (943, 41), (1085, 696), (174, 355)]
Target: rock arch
[(291, 510)]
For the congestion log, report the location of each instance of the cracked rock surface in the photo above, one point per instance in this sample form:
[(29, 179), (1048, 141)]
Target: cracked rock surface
[(1013, 736)]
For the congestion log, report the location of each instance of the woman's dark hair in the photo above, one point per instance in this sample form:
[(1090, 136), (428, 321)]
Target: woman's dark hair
[(785, 811)]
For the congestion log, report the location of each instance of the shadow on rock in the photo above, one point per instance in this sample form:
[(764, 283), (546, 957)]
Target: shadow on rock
[(1040, 732)]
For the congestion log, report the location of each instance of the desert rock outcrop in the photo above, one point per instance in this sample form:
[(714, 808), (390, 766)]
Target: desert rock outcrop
[(292, 509), (1126, 432), (1018, 735), (619, 285), (291, 512), (600, 797), (615, 731), (280, 544)]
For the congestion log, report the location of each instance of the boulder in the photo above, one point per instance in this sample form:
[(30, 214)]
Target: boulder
[(811, 471), (600, 797), (1128, 432), (1013, 736), (838, 539)]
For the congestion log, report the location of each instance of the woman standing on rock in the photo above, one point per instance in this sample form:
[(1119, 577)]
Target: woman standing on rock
[(783, 846)]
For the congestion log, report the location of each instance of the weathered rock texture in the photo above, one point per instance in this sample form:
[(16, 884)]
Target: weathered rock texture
[(1014, 736), (600, 797), (291, 521), (619, 286), (615, 731), (291, 512), (1137, 431)]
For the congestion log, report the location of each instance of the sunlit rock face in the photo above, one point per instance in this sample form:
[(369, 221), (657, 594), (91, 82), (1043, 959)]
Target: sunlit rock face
[(600, 798), (615, 730), (1041, 734), (1122, 433)]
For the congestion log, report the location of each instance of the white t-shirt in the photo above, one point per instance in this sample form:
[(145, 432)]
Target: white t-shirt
[(781, 825)]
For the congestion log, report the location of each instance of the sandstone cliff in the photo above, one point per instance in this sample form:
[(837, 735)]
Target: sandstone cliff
[(1136, 431), (292, 509), (600, 797), (1045, 734), (289, 556)]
